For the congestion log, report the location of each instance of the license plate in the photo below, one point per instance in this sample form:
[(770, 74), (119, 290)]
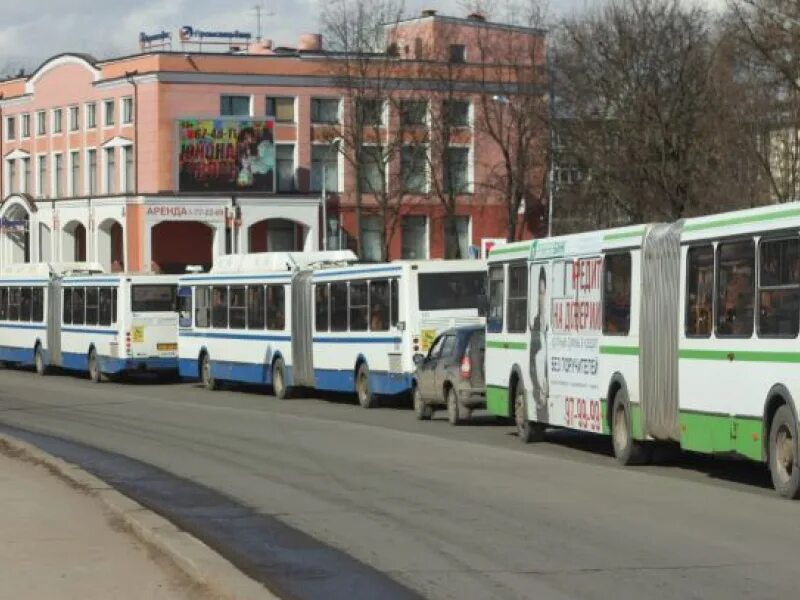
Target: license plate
[(137, 334), (167, 346)]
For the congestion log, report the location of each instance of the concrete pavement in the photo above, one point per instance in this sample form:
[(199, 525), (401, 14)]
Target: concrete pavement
[(451, 512)]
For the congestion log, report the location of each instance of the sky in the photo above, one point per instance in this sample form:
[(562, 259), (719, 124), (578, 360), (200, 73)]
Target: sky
[(33, 30)]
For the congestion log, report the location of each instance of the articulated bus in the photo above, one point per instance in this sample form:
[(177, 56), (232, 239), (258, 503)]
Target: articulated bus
[(75, 317), (684, 332), (316, 320)]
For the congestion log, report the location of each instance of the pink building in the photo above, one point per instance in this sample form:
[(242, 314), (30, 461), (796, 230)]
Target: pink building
[(91, 166)]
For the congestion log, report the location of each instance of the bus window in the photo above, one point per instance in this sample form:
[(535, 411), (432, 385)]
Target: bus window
[(25, 304), (113, 305), (321, 307), (238, 313), (699, 290), (339, 306), (91, 306), (202, 308), (494, 320), (219, 307), (256, 309), (617, 294), (184, 304), (67, 316), (37, 300), (448, 291), (394, 301), (276, 307), (78, 306), (105, 299), (517, 308), (779, 288), (358, 306), (153, 298), (735, 288), (379, 305), (13, 304), (3, 304)]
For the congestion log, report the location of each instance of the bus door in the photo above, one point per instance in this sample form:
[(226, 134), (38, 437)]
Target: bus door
[(54, 322), (539, 294), (302, 330)]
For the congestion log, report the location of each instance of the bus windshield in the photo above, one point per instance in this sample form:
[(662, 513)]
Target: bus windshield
[(153, 298), (448, 291)]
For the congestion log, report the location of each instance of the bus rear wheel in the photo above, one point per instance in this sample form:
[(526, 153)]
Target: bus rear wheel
[(627, 450), (365, 397), (205, 373), (279, 379), (38, 360), (95, 375), (783, 454), (527, 431)]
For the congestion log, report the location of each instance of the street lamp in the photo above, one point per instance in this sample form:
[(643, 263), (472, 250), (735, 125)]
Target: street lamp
[(334, 145)]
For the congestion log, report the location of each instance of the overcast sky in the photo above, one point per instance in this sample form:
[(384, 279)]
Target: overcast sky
[(33, 30)]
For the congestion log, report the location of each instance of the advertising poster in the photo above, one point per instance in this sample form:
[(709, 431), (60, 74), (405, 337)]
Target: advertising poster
[(226, 155)]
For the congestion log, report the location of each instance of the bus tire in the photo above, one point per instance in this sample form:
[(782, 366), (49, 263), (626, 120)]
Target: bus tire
[(783, 453), (365, 397), (454, 412), (205, 373), (527, 431), (627, 450), (422, 411), (279, 388), (38, 360), (95, 374)]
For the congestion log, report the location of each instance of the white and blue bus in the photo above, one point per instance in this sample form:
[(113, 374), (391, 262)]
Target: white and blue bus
[(335, 325), (78, 318)]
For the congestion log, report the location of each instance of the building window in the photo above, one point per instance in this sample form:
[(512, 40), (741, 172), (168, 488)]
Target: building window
[(456, 113), (234, 105), (324, 163), (371, 238), (370, 111), (91, 172), (58, 118), (26, 174), (91, 115), (41, 173), (281, 235), (74, 115), (127, 161), (75, 173), (457, 170), (325, 110), (736, 289), (11, 128), (458, 53), (127, 111), (456, 237), (58, 175), (414, 168), (415, 237), (11, 169), (108, 112), (617, 294), (111, 170), (41, 122), (414, 113), (281, 109), (26, 125), (371, 169), (284, 165)]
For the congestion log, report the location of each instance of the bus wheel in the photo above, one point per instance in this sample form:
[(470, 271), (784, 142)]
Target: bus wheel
[(454, 416), (783, 454), (95, 375), (365, 397), (526, 430), (626, 449), (38, 360), (279, 379), (205, 373), (422, 411)]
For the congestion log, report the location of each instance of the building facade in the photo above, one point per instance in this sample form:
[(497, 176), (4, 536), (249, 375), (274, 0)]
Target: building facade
[(98, 162)]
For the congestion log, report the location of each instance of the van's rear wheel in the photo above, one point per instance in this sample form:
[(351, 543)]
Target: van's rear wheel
[(454, 412), (205, 373), (365, 397), (783, 454), (526, 430), (95, 375), (38, 360), (626, 449), (279, 379)]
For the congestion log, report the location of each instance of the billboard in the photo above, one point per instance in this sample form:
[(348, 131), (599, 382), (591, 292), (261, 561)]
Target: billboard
[(228, 154)]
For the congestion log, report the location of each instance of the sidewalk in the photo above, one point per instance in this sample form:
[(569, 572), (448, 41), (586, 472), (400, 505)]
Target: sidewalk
[(59, 543)]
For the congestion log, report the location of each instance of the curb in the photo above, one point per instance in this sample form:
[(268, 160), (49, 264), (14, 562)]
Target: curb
[(195, 559)]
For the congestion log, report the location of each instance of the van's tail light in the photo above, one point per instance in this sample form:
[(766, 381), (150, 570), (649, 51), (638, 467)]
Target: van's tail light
[(466, 367)]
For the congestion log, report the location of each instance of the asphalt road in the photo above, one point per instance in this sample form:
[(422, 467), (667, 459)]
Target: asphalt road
[(462, 512)]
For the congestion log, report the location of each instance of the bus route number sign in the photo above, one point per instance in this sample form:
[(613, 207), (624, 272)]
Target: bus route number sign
[(581, 413)]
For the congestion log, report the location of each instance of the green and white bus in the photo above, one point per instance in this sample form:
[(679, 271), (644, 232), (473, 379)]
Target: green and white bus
[(684, 332)]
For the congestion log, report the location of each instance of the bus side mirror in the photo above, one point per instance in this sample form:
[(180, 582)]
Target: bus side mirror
[(419, 359)]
